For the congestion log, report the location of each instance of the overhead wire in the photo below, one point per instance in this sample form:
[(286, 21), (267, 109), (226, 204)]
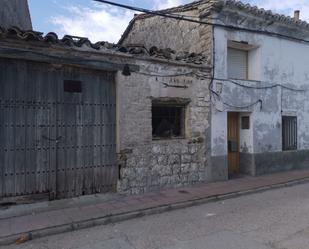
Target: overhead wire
[(163, 76), (183, 18), (218, 96), (153, 12), (201, 76)]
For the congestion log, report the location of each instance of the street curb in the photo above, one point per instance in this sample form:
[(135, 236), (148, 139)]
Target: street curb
[(108, 219)]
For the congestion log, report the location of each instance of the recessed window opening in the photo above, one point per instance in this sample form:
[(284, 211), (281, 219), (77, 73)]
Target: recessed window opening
[(245, 123), (289, 133), (72, 86), (237, 63), (168, 121)]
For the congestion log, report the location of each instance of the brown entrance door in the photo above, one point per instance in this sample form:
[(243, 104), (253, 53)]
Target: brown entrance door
[(233, 142)]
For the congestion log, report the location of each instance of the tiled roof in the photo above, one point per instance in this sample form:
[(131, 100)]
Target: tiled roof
[(216, 5), (79, 42), (206, 7), (265, 13)]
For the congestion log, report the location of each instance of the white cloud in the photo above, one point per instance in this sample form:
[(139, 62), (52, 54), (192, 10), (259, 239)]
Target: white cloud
[(99, 23), (285, 7), (164, 4)]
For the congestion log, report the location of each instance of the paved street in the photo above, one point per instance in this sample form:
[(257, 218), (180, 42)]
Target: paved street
[(273, 219)]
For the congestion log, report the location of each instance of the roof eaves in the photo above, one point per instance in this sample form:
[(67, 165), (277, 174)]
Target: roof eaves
[(73, 42), (260, 12)]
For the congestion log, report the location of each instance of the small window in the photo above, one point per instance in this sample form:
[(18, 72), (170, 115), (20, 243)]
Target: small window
[(72, 86), (289, 133), (245, 123), (237, 63), (167, 121)]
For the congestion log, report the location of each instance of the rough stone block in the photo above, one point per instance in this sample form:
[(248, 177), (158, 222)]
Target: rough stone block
[(184, 149), (166, 171), (163, 160), (186, 158), (193, 148), (175, 179), (165, 181), (194, 167), (193, 177), (174, 159), (176, 169), (156, 149), (184, 179), (185, 168)]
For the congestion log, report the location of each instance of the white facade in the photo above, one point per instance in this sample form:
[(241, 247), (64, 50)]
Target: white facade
[(271, 61)]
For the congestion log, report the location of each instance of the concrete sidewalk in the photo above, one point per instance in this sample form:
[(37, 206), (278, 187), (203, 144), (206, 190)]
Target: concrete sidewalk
[(25, 222)]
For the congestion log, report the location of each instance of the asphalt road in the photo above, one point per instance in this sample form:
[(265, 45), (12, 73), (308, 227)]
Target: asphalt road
[(277, 219)]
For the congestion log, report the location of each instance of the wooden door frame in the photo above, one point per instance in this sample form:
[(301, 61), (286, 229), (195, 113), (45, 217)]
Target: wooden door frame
[(233, 169)]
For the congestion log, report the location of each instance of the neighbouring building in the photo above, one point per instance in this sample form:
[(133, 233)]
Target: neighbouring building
[(259, 117), (15, 13), (175, 103), (79, 118)]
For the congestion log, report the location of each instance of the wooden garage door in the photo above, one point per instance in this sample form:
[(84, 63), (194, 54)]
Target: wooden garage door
[(57, 130)]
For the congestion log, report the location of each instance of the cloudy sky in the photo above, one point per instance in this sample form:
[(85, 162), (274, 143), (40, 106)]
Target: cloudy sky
[(97, 21)]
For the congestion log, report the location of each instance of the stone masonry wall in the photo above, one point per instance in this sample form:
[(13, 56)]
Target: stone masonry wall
[(170, 33), (147, 164)]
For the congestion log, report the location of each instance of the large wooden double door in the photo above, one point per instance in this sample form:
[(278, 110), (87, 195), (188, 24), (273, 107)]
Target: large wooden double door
[(57, 130)]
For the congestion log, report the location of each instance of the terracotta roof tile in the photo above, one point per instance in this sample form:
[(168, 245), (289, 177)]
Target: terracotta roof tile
[(78, 42)]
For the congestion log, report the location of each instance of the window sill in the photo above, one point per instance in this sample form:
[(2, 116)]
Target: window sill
[(239, 79), (168, 139)]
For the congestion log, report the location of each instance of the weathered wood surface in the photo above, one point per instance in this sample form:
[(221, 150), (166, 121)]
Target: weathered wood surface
[(54, 141), (75, 58)]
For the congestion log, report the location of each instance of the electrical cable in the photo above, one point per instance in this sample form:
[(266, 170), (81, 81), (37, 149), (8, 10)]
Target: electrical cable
[(230, 105), (164, 75), (181, 18), (246, 106), (152, 12), (262, 87), (268, 87), (200, 76)]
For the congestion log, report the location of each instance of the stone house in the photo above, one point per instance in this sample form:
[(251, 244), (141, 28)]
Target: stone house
[(225, 95), (78, 118), (259, 114)]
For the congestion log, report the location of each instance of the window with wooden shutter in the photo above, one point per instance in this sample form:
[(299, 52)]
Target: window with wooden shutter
[(237, 63), (289, 133)]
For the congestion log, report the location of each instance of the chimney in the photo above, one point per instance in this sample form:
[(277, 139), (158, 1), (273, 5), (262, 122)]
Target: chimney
[(296, 15), (15, 13)]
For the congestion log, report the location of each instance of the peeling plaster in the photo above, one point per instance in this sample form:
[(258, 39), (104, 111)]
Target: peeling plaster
[(282, 62)]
